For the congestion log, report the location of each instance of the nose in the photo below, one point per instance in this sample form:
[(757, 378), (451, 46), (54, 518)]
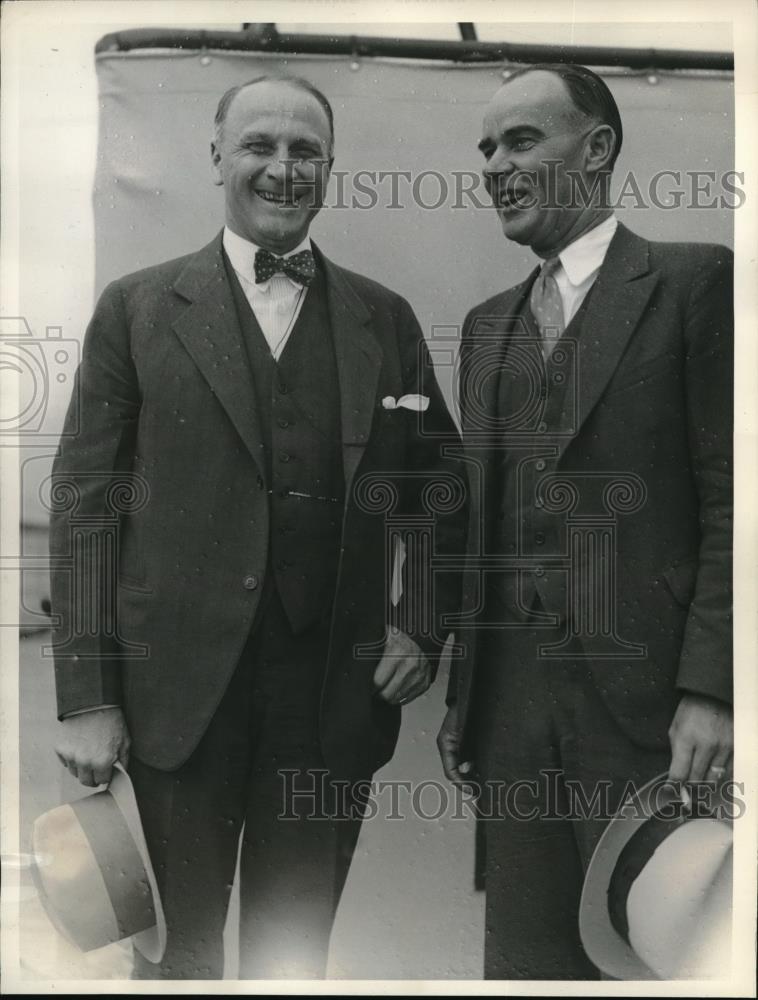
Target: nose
[(277, 167), (498, 164)]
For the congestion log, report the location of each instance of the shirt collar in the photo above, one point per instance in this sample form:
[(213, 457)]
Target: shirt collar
[(584, 256), (241, 252)]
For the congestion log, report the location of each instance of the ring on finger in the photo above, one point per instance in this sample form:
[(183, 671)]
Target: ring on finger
[(717, 770)]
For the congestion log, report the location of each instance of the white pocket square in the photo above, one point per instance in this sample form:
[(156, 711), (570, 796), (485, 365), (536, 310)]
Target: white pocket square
[(413, 401)]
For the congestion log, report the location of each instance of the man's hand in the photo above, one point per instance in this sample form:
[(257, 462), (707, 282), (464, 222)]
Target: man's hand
[(449, 745), (91, 743), (702, 739), (404, 672)]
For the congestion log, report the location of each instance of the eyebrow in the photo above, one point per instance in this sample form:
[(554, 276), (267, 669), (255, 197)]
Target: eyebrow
[(510, 133), (268, 137)]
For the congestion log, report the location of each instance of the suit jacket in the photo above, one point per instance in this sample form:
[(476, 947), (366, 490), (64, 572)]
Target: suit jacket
[(653, 399), (163, 429)]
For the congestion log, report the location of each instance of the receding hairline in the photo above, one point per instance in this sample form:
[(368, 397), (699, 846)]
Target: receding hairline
[(531, 71), (293, 82), (589, 95)]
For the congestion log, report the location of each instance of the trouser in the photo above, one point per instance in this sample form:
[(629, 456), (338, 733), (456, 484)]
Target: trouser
[(553, 765), (292, 870)]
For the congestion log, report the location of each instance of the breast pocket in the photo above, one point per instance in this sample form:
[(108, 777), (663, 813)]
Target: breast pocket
[(392, 428), (637, 376)]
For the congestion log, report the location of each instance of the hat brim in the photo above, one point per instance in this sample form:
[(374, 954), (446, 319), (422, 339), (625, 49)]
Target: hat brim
[(602, 942), (151, 942)]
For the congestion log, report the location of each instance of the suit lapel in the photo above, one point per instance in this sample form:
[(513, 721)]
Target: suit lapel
[(210, 331), (481, 372), (359, 361), (621, 293), (488, 340)]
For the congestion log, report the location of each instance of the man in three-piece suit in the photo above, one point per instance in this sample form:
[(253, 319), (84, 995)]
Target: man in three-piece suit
[(597, 423), (239, 391)]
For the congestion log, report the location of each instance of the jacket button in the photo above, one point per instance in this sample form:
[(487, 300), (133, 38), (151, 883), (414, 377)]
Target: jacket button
[(284, 457), (539, 538), (541, 427), (539, 571), (283, 423), (250, 582), (540, 465)]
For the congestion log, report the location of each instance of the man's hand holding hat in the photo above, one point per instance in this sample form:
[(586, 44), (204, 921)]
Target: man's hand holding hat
[(90, 743), (702, 739)]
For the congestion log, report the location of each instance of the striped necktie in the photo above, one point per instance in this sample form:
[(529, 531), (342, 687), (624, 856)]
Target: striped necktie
[(547, 306)]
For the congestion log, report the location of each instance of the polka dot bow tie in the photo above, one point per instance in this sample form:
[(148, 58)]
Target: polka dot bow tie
[(547, 306), (300, 267)]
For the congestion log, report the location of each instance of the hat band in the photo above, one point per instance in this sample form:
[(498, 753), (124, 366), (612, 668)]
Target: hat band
[(636, 853), (125, 881)]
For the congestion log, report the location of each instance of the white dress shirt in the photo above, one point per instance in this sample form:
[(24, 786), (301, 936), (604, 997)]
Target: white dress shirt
[(580, 262), (276, 302)]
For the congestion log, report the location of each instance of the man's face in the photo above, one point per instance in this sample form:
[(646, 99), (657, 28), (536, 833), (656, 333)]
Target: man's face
[(273, 157), (527, 123)]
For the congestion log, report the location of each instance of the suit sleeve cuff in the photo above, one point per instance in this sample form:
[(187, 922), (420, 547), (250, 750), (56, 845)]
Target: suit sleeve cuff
[(83, 711), (83, 684)]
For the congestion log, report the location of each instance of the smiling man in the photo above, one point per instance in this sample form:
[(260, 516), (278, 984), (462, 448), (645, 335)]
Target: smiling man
[(243, 386), (597, 410)]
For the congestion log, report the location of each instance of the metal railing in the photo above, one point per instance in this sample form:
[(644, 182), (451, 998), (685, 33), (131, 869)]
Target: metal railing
[(266, 38)]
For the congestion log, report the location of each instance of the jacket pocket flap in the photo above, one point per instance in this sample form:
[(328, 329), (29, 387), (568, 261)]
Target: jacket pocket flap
[(136, 586), (681, 579)]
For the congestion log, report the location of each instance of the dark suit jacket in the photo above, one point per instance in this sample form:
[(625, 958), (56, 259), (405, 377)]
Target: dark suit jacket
[(165, 392), (654, 398)]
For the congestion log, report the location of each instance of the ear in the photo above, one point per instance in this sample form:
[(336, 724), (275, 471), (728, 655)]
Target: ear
[(599, 148), (216, 174)]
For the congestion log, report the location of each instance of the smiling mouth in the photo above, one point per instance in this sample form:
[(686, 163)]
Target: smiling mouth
[(510, 201), (285, 201)]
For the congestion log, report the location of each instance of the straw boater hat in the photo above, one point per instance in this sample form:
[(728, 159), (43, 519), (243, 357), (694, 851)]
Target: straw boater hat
[(93, 872), (657, 898)]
